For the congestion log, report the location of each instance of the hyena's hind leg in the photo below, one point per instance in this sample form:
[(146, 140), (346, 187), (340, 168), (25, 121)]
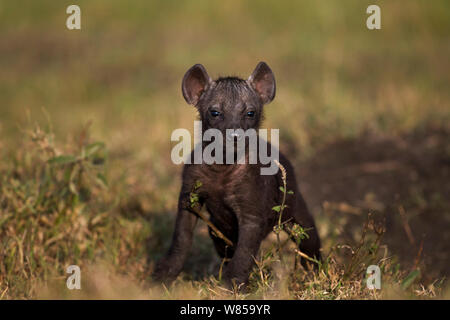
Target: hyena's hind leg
[(311, 244)]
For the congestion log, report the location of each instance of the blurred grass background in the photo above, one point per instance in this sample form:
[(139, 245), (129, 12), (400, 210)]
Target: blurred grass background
[(363, 114)]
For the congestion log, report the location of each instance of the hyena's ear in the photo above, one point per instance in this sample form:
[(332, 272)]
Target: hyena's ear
[(263, 81), (194, 83)]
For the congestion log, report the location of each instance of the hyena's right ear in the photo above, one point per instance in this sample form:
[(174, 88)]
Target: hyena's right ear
[(194, 83), (263, 81)]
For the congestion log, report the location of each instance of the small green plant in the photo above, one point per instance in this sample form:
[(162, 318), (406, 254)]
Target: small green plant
[(193, 197), (294, 230), (280, 208)]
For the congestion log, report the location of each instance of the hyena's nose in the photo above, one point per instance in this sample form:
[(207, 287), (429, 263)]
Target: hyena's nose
[(234, 134)]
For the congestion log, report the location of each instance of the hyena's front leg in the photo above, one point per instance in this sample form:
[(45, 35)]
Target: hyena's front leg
[(170, 266), (249, 241)]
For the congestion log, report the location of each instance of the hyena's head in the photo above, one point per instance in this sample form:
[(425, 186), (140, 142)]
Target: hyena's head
[(229, 102)]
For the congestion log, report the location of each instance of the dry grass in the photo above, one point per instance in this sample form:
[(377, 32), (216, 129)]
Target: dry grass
[(56, 211)]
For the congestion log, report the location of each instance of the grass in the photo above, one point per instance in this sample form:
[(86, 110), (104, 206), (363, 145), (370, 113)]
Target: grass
[(58, 209), (86, 117)]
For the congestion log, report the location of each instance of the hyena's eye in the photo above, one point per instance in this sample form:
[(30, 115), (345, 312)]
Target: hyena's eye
[(214, 113), (251, 114)]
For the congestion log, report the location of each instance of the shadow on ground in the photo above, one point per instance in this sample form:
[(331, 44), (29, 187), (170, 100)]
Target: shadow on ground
[(405, 179)]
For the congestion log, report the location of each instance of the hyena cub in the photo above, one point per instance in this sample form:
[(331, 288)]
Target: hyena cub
[(238, 198)]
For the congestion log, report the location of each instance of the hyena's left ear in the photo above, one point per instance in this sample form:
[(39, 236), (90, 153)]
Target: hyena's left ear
[(263, 81), (194, 83)]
